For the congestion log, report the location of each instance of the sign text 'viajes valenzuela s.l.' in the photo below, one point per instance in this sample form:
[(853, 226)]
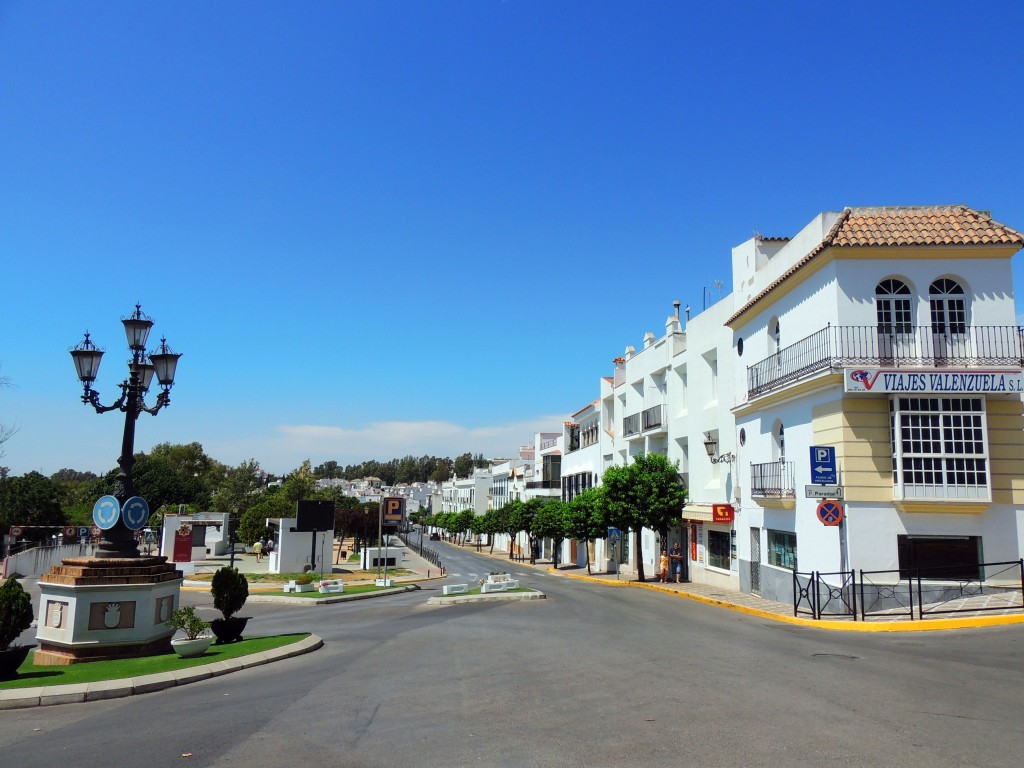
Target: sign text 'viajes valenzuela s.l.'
[(886, 380)]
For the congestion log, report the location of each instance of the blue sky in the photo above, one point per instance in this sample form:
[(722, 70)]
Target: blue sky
[(380, 228)]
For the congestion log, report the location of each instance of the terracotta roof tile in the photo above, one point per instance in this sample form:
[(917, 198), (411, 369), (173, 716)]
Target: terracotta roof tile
[(942, 225)]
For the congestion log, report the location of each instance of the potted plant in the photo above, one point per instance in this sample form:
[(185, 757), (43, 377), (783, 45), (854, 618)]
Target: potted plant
[(15, 617), (195, 642), (230, 591), (303, 583)]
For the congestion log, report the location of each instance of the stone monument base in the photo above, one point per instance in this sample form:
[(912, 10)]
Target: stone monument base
[(95, 609)]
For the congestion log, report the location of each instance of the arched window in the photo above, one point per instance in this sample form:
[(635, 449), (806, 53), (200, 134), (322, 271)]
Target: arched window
[(775, 332), (948, 307), (892, 307)]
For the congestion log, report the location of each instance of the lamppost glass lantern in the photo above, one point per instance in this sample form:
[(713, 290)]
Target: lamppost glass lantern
[(119, 541)]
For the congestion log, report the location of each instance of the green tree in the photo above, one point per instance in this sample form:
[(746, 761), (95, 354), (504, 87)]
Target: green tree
[(328, 470), (585, 519), (300, 484), (31, 499), (527, 512), (253, 524), (442, 471), (549, 523), (239, 488), (644, 494), (512, 521), (463, 465), (464, 522)]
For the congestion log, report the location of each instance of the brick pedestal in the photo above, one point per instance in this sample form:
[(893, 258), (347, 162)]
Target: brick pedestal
[(94, 609)]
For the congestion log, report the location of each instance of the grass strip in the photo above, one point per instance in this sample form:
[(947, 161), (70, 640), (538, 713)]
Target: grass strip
[(31, 676)]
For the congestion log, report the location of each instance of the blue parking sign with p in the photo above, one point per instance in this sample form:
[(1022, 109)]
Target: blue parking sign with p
[(823, 465), (394, 510)]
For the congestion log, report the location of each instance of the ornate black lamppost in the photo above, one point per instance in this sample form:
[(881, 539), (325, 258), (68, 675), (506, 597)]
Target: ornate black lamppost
[(119, 541)]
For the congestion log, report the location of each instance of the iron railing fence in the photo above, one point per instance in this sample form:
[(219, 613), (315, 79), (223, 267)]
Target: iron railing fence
[(831, 595), (774, 479), (631, 425), (836, 346), (430, 555), (893, 593), (653, 417)]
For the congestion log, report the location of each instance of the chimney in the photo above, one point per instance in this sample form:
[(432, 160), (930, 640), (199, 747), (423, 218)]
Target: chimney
[(676, 304)]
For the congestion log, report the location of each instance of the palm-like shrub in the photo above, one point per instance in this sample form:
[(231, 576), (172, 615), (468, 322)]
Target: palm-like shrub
[(15, 612), (230, 591)]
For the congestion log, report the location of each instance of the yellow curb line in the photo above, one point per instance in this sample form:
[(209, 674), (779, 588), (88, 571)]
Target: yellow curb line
[(847, 626)]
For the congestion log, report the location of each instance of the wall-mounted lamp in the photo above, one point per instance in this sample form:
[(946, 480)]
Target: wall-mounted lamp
[(711, 446)]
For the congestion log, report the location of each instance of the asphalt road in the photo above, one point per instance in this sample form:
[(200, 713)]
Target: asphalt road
[(593, 676)]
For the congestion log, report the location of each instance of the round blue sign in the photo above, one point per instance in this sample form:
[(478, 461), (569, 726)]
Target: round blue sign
[(135, 513), (105, 512)]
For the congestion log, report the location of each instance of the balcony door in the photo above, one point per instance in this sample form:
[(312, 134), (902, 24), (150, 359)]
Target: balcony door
[(895, 321), (949, 320)]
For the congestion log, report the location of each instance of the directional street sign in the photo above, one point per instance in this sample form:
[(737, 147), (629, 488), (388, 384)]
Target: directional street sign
[(830, 512), (135, 513), (823, 491), (105, 512), (823, 465)]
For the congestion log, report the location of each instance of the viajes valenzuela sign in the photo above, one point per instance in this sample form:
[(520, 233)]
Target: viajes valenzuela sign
[(963, 381)]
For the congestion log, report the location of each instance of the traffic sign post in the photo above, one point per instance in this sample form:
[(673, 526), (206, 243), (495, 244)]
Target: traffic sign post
[(830, 512), (823, 465)]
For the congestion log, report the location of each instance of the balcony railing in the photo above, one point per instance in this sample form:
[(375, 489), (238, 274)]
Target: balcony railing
[(773, 480), (653, 417), (631, 425), (533, 484), (836, 346)]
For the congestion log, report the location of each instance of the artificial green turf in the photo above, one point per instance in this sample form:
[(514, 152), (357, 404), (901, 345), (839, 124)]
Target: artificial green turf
[(31, 676)]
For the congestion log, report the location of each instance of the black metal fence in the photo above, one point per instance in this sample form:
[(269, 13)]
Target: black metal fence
[(928, 592), (774, 479), (816, 595), (432, 556), (915, 594)]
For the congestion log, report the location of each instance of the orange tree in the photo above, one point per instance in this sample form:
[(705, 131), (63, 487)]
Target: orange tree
[(644, 494)]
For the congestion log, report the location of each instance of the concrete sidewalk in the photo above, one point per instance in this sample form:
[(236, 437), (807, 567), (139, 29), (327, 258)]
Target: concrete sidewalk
[(998, 609)]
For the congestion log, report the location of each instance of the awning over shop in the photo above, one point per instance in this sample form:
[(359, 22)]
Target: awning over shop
[(698, 513)]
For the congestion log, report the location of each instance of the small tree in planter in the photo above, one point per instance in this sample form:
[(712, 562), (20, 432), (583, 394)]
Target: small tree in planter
[(230, 591), (15, 617), (194, 643)]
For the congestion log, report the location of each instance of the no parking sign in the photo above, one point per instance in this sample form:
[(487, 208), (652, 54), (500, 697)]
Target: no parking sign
[(830, 512)]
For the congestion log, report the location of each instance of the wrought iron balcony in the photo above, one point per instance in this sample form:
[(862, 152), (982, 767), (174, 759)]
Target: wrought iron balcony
[(773, 480), (653, 417), (898, 346), (544, 484), (631, 425)]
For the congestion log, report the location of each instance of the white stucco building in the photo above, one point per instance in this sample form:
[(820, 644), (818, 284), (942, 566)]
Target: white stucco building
[(888, 335)]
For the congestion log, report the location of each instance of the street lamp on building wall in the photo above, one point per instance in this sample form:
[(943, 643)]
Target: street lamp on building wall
[(711, 446), (119, 541)]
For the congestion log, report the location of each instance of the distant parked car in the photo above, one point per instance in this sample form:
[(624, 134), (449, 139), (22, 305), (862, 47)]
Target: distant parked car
[(435, 537)]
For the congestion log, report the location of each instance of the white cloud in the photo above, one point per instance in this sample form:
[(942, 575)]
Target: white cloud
[(290, 444)]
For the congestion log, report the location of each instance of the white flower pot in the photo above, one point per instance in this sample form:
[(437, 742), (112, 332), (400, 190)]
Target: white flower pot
[(187, 649)]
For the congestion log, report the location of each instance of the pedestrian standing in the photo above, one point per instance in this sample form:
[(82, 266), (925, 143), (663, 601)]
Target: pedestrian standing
[(676, 557), (258, 549), (663, 566)]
